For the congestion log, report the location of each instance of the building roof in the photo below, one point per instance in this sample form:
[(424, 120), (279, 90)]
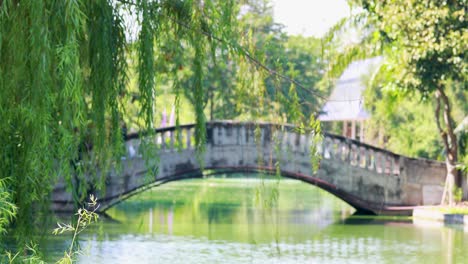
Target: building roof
[(346, 102), (463, 126)]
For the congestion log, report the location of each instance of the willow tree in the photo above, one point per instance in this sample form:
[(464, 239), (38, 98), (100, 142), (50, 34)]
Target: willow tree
[(424, 44), (63, 81), (64, 87)]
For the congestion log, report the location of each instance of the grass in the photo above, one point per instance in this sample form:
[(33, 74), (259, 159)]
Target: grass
[(454, 210)]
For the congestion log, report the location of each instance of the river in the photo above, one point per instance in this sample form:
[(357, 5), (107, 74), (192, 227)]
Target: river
[(238, 220)]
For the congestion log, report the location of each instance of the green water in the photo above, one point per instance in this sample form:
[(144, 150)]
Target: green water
[(219, 220)]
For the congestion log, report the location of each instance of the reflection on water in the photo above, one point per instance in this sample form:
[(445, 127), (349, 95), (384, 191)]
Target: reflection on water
[(217, 221)]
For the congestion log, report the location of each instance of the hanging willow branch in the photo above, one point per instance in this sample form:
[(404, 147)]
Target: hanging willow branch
[(64, 84)]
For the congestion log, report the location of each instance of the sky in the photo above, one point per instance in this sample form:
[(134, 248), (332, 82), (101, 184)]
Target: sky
[(309, 17)]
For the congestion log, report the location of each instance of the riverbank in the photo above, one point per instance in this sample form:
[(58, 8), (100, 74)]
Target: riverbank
[(456, 215)]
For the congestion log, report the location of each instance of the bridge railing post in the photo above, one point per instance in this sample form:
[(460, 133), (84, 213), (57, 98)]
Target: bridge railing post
[(370, 160), (336, 148), (387, 164), (304, 143), (396, 165), (362, 157), (379, 162), (163, 140), (310, 140), (180, 139), (356, 155), (171, 140), (346, 152), (220, 134), (188, 137), (132, 147), (326, 149)]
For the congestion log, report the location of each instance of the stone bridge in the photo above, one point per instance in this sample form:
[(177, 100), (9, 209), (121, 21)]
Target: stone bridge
[(372, 180)]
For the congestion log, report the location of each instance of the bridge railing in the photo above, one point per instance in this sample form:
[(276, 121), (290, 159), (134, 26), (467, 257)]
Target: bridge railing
[(167, 139), (335, 147), (360, 155)]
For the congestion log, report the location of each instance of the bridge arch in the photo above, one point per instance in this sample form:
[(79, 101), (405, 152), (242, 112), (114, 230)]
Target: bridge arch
[(371, 180), (111, 201)]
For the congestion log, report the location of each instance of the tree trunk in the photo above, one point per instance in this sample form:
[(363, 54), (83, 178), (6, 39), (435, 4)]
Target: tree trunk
[(450, 143)]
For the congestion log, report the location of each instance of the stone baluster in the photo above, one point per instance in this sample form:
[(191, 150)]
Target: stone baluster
[(311, 140), (248, 137), (329, 147), (157, 138), (163, 140), (171, 140), (132, 149), (370, 163), (284, 140), (303, 143), (342, 147), (392, 164), (347, 152), (378, 162), (338, 150), (356, 155), (353, 150), (188, 137), (293, 140), (396, 165), (216, 134), (180, 139), (388, 164), (332, 149), (242, 136), (362, 157), (326, 148)]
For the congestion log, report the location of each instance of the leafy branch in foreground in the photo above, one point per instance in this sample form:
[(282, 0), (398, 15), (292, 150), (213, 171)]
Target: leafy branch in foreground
[(7, 208), (85, 218), (31, 254)]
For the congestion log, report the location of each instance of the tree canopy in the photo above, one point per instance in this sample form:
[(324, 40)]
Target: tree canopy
[(424, 44), (64, 75)]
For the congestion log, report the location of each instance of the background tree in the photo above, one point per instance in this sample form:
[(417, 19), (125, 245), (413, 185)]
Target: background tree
[(75, 73), (63, 85), (424, 44)]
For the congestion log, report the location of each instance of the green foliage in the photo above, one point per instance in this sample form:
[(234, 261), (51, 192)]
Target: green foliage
[(7, 208), (457, 194), (424, 44), (70, 82), (85, 218), (431, 40), (64, 85), (400, 121), (31, 254), (315, 131), (401, 124)]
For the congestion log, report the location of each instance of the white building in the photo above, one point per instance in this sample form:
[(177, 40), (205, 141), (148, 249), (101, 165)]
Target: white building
[(346, 102)]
